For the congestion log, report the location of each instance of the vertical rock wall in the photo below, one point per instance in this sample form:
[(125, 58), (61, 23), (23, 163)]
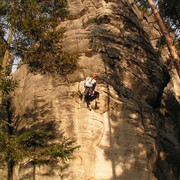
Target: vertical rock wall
[(118, 136)]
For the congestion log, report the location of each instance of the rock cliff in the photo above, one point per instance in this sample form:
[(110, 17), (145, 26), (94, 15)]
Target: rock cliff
[(119, 136)]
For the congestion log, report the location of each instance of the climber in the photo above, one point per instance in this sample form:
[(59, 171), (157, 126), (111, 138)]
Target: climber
[(90, 84)]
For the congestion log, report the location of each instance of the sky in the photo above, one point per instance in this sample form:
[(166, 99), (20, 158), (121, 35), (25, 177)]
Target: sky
[(15, 64)]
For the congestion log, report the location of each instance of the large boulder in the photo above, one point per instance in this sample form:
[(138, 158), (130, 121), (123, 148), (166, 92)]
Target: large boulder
[(118, 136)]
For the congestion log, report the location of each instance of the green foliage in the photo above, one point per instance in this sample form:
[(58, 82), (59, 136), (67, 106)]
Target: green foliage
[(49, 56), (9, 148), (2, 49), (31, 18), (171, 11), (3, 7), (39, 151), (36, 35), (33, 139), (63, 64), (63, 150), (35, 147), (7, 85)]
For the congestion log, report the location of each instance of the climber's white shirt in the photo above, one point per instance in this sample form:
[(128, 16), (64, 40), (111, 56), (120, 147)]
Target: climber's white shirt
[(90, 82)]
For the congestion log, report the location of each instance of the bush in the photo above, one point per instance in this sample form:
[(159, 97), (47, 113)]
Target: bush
[(64, 63), (48, 56), (8, 85)]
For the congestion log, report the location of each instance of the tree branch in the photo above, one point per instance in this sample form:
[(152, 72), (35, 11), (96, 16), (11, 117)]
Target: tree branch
[(3, 39)]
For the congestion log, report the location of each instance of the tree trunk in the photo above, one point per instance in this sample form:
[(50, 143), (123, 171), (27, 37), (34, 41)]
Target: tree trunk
[(13, 171), (7, 53), (5, 61), (168, 38), (34, 171), (10, 170)]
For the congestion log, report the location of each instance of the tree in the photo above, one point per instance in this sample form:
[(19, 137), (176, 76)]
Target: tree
[(170, 10), (29, 29), (163, 27), (35, 148), (4, 62), (168, 38), (36, 33)]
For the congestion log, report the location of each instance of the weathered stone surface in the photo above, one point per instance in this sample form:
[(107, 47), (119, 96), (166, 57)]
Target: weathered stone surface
[(118, 136)]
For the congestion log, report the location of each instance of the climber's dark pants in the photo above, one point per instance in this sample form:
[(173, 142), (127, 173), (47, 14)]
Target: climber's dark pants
[(89, 91)]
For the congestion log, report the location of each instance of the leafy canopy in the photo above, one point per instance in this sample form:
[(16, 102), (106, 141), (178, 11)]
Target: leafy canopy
[(171, 11), (35, 147), (36, 32), (30, 19)]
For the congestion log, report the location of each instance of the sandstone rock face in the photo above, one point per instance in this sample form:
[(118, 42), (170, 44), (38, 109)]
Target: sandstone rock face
[(118, 136)]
